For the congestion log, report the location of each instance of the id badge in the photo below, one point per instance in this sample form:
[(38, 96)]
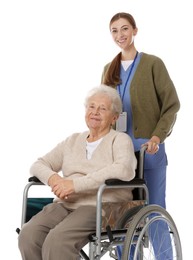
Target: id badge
[(121, 124)]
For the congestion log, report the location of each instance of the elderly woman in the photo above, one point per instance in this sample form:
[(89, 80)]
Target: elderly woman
[(86, 160)]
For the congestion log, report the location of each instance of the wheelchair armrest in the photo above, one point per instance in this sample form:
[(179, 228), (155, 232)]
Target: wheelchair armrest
[(112, 182), (34, 179)]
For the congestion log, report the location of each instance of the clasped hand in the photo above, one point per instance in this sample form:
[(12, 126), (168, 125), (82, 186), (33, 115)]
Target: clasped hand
[(60, 187)]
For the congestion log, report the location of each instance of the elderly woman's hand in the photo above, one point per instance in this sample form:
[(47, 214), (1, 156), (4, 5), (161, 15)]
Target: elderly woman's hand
[(60, 187), (63, 188)]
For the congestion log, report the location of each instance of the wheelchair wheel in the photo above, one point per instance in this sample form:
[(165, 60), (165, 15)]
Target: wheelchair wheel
[(152, 235)]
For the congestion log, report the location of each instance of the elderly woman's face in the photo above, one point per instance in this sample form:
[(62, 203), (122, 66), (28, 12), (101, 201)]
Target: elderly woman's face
[(99, 115)]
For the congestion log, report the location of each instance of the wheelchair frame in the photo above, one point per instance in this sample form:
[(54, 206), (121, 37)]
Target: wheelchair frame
[(133, 227)]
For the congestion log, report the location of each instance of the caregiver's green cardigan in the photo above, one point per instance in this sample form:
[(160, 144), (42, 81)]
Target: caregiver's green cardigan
[(154, 100)]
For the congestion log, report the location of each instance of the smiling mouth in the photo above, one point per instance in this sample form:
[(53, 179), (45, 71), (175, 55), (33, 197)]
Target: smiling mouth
[(122, 41), (94, 118)]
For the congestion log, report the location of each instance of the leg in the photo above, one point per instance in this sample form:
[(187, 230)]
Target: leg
[(156, 183), (70, 235), (34, 232)]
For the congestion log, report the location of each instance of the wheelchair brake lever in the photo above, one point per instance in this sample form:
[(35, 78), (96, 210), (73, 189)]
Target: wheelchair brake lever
[(109, 233)]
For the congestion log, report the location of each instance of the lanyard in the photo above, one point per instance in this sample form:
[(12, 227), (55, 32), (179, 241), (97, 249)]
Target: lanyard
[(122, 97)]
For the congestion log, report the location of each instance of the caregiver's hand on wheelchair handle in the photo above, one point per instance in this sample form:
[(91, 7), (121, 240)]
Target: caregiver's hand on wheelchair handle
[(152, 145)]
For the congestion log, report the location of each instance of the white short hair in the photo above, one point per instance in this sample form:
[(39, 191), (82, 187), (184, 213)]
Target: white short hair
[(111, 93)]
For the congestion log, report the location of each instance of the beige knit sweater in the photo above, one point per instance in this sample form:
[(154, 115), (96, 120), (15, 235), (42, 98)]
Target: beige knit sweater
[(113, 158)]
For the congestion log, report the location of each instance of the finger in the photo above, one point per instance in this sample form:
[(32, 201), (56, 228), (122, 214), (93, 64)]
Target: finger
[(63, 195), (149, 147), (55, 188)]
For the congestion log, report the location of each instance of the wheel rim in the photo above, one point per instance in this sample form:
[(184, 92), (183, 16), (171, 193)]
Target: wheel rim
[(137, 244)]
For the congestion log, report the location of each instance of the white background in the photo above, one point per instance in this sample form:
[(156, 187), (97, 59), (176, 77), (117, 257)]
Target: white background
[(51, 54)]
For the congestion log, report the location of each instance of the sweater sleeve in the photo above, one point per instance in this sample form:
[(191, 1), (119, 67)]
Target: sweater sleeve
[(121, 167), (168, 99), (49, 164)]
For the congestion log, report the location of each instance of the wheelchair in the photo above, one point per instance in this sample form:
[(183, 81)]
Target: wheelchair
[(134, 235)]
